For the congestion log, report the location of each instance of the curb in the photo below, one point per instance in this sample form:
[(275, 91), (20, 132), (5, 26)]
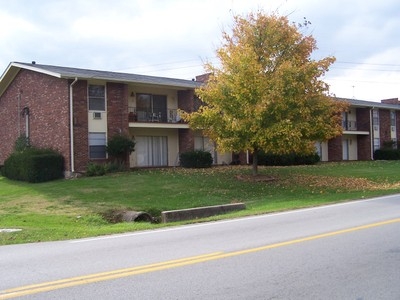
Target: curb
[(199, 212)]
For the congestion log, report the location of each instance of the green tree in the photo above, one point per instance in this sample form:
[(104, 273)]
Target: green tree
[(120, 146), (266, 93)]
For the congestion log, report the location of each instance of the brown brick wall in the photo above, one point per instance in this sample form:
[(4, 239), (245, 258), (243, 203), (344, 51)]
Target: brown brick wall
[(384, 126), (364, 141), (80, 117), (117, 110), (335, 149), (47, 100), (364, 147), (398, 126), (186, 100), (186, 103), (186, 140), (203, 78), (391, 101), (363, 119)]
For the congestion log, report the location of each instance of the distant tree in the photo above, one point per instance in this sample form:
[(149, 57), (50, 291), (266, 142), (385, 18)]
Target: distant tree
[(266, 93)]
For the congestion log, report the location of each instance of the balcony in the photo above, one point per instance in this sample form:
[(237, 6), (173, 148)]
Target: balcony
[(349, 125), (147, 116)]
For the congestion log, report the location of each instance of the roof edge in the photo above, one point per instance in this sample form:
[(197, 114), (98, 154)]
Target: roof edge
[(32, 67)]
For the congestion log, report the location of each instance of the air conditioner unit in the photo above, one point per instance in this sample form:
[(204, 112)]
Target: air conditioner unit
[(97, 115)]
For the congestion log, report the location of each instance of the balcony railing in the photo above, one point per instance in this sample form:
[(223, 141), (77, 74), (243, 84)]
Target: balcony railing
[(140, 115), (349, 125)]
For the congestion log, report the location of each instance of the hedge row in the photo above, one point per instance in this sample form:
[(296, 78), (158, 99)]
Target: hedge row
[(196, 159), (387, 154), (268, 159), (34, 165)]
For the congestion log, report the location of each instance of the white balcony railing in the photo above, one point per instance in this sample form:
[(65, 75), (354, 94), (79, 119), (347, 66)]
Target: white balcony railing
[(140, 115)]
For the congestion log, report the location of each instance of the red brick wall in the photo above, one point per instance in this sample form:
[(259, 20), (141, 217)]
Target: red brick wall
[(364, 141), (186, 103), (398, 126), (117, 111), (203, 78), (47, 100), (117, 108), (80, 117), (384, 125), (186, 140), (117, 118), (363, 119), (186, 100), (364, 147), (391, 101), (335, 149)]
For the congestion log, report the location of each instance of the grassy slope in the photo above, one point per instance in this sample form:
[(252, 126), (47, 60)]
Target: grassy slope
[(70, 208)]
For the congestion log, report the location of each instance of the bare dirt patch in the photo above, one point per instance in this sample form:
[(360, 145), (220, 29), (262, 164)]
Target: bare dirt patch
[(256, 178)]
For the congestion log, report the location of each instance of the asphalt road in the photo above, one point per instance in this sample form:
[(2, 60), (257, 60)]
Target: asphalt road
[(345, 251)]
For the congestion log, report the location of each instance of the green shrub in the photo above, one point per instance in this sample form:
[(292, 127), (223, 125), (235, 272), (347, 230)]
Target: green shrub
[(387, 154), (34, 165), (115, 166), (97, 169), (269, 159), (119, 146), (21, 144), (94, 169), (196, 159)]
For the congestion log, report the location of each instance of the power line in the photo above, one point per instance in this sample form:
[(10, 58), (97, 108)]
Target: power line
[(361, 63)]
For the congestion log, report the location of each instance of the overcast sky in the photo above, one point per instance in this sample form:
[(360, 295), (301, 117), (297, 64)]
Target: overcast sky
[(173, 38)]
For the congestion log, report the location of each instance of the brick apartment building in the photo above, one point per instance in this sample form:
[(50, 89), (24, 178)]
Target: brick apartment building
[(75, 111), (366, 127)]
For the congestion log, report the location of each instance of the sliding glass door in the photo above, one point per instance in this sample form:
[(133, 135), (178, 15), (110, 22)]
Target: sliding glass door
[(151, 151), (151, 108)]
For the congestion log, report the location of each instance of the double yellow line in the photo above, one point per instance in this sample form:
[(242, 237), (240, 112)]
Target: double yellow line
[(80, 280)]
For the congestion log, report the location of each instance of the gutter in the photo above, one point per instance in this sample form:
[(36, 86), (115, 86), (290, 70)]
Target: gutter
[(71, 125)]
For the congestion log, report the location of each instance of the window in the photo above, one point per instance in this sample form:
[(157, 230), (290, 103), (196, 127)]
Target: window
[(375, 117), (392, 118), (97, 97), (377, 143), (97, 145)]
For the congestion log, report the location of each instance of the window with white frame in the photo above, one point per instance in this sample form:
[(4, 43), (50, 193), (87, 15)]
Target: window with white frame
[(377, 144), (97, 145), (97, 97), (392, 118), (375, 117)]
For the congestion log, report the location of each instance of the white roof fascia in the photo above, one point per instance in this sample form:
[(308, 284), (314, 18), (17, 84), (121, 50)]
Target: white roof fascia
[(33, 68)]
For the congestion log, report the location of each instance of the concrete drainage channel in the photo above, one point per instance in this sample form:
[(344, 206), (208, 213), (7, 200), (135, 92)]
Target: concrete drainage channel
[(175, 215), (199, 212)]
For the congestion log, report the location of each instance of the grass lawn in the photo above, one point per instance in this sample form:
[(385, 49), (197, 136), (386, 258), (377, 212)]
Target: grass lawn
[(67, 209)]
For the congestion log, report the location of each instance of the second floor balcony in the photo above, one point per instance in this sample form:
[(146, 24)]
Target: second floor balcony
[(349, 125), (154, 116)]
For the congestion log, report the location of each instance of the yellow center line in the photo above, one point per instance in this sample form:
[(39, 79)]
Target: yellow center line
[(103, 276)]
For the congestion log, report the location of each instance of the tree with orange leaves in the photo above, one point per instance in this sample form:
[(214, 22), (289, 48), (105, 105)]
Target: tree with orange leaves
[(266, 94)]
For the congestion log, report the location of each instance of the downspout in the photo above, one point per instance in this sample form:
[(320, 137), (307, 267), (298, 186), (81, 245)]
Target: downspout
[(372, 133), (71, 124)]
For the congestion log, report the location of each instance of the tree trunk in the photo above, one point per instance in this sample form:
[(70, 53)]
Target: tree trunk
[(255, 163)]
